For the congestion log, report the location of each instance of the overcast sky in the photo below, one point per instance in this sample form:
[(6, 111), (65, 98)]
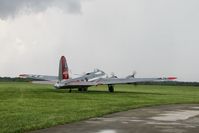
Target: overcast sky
[(154, 37)]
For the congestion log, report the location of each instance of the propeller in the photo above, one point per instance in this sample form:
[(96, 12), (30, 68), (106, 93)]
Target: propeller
[(133, 74), (113, 75)]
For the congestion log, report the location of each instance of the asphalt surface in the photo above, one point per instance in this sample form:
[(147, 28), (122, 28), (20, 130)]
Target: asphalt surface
[(159, 119)]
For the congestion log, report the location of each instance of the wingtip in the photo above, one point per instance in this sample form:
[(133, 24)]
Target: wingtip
[(172, 78), (23, 75)]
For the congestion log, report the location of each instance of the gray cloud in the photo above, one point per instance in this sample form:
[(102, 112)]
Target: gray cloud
[(10, 8), (155, 38)]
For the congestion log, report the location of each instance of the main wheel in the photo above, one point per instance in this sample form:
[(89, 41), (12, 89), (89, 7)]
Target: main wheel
[(85, 89), (82, 89), (110, 88)]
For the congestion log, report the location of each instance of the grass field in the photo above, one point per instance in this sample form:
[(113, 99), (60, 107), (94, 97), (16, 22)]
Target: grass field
[(25, 106)]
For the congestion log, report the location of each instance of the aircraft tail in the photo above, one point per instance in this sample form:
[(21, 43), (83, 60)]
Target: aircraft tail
[(63, 69)]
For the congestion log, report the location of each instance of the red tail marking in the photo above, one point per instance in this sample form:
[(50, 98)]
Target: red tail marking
[(65, 74)]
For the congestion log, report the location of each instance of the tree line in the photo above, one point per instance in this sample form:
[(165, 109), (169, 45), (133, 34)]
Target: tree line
[(9, 79)]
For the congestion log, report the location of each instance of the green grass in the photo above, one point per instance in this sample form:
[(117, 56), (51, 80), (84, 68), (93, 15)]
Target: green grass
[(25, 106)]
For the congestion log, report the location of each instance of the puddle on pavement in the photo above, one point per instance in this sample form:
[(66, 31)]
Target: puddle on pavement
[(107, 131), (176, 115)]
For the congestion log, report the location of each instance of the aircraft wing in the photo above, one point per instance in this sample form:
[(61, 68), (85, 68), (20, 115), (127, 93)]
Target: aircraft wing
[(112, 81), (39, 77)]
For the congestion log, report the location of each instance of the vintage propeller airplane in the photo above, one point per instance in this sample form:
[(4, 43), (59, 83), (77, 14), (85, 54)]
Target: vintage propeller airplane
[(95, 78)]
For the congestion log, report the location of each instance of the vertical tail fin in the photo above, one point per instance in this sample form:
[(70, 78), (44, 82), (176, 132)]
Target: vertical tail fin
[(63, 69)]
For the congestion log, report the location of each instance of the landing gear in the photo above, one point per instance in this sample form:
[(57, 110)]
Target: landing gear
[(70, 90), (82, 89), (111, 88), (85, 89)]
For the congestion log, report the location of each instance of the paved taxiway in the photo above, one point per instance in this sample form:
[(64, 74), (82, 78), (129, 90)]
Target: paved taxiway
[(159, 119)]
